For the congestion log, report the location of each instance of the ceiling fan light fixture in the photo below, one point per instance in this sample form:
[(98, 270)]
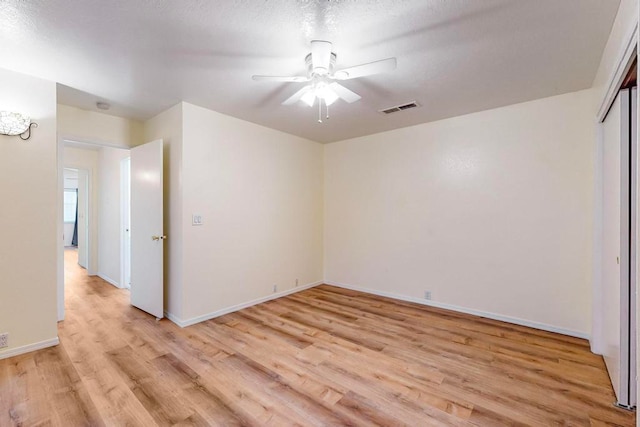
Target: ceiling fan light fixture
[(323, 78), (309, 98), (327, 95)]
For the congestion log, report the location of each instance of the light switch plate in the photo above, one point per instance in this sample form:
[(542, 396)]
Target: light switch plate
[(196, 219)]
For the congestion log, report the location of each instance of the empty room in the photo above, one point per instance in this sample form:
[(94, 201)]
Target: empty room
[(318, 212)]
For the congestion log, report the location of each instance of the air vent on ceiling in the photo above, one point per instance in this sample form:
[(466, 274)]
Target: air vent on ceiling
[(395, 109)]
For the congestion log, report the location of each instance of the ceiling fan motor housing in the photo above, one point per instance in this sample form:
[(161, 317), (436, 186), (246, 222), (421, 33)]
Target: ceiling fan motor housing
[(320, 71)]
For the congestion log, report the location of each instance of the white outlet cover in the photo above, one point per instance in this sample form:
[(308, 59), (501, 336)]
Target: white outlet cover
[(196, 219)]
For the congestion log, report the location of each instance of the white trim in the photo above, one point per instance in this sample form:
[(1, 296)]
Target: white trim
[(188, 322), (78, 142), (174, 319), (60, 229), (596, 340), (623, 63), (109, 280), (488, 315), (29, 348)]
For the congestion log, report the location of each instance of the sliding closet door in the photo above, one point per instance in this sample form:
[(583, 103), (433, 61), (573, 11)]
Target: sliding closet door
[(633, 247), (617, 250)]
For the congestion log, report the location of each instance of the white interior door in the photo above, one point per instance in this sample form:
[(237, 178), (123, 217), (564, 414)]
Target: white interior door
[(618, 249), (633, 245), (147, 238), (611, 242)]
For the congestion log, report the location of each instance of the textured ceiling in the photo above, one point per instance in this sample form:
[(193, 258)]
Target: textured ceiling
[(454, 56)]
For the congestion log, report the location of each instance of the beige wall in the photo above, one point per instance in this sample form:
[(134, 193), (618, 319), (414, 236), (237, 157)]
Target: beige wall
[(80, 125), (28, 184), (491, 211), (260, 194), (168, 127)]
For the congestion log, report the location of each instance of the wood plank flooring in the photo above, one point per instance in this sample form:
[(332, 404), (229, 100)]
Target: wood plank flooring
[(322, 357)]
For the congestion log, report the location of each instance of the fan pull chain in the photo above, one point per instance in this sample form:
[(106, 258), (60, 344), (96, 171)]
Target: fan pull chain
[(320, 110)]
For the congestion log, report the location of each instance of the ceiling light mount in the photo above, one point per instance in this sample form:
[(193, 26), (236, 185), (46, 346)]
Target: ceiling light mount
[(320, 70), (12, 124)]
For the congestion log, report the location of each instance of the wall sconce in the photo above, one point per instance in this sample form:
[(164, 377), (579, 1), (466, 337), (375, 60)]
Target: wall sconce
[(15, 124)]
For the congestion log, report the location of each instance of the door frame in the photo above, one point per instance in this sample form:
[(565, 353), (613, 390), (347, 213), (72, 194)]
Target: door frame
[(92, 232)]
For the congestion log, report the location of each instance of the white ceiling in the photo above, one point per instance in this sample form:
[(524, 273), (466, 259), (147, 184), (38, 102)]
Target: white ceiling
[(454, 56)]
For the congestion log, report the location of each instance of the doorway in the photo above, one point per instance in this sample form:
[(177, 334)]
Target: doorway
[(71, 209), (75, 213), (96, 231)]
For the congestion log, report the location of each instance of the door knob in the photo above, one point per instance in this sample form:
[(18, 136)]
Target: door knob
[(158, 237)]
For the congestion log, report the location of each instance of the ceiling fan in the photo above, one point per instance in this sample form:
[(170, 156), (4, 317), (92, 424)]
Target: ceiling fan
[(323, 78)]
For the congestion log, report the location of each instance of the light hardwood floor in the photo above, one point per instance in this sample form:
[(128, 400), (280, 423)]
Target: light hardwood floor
[(324, 356)]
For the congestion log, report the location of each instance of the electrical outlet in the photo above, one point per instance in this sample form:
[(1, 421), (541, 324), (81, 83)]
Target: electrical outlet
[(4, 340), (296, 282), (275, 288), (427, 294), (196, 219)]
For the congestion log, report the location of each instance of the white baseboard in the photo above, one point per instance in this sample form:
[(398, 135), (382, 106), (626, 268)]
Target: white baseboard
[(508, 319), (188, 322), (28, 348), (488, 315), (109, 280), (174, 319)]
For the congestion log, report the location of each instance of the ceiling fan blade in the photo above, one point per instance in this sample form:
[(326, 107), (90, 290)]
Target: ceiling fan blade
[(293, 79), (320, 56), (376, 67), (344, 93), (296, 96)]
